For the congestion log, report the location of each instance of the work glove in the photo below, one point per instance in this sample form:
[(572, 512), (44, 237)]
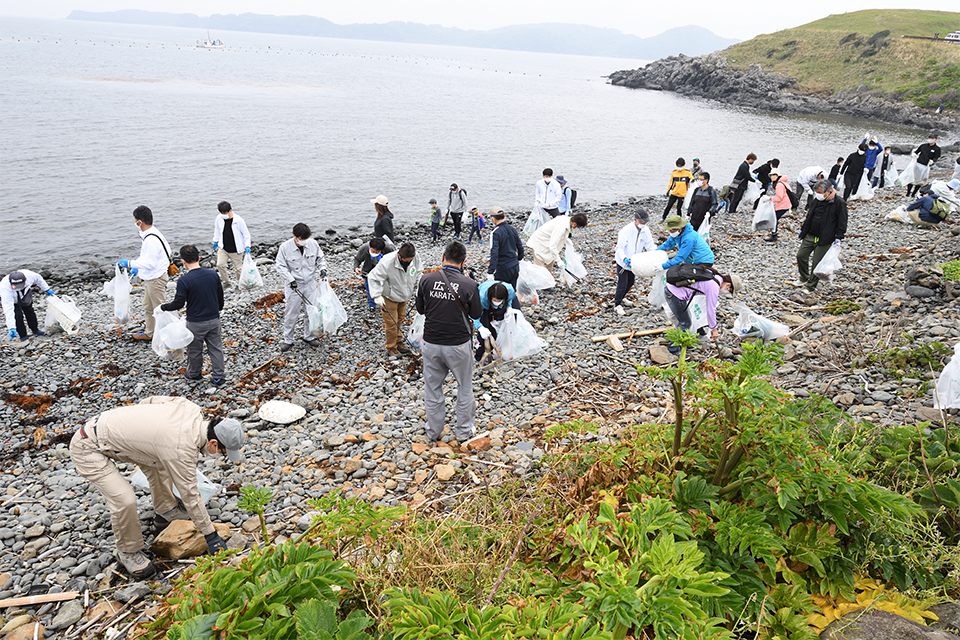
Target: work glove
[(441, 222), (379, 301), (323, 274), (626, 262), (484, 333), (133, 271), (50, 292), (215, 543), (124, 264), (247, 250), (866, 135), (837, 242), (293, 285), (215, 246), (489, 277), (658, 268), (931, 163), (13, 334)]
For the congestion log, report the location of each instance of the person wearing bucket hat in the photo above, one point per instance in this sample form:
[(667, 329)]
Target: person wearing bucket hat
[(383, 227), (456, 206), (680, 297), (690, 246), (632, 239), (16, 297), (164, 436)]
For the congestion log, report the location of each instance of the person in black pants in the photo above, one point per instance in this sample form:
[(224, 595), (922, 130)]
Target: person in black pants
[(852, 171), (739, 184), (17, 297), (506, 252)]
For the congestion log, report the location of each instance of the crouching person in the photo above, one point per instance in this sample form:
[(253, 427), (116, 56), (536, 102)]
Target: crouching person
[(680, 297), (495, 298), (164, 436)]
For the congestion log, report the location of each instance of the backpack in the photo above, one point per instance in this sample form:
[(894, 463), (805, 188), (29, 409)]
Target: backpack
[(573, 196), (940, 209), (685, 274), (794, 200)]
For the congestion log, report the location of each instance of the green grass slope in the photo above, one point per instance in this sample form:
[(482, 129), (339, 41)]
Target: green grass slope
[(864, 49)]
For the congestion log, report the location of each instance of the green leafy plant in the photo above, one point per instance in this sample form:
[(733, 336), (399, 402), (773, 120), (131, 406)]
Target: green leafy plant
[(256, 499), (317, 620), (951, 270)]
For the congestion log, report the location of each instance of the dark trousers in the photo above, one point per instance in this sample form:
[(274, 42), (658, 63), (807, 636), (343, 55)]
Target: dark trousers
[(850, 185), (737, 196), (474, 229), (457, 222), (809, 248), (435, 230), (625, 280), (553, 212), (780, 213), (509, 275), (21, 311), (670, 201), (873, 182)]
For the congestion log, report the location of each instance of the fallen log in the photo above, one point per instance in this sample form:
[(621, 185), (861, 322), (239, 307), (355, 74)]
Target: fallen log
[(628, 334)]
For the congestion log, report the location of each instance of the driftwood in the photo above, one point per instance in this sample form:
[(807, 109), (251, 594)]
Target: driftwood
[(630, 334), (41, 599)]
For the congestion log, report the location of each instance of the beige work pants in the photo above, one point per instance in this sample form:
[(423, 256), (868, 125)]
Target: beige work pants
[(223, 258), (154, 295), (393, 326)]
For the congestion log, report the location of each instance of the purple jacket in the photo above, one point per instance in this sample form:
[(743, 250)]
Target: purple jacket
[(709, 288)]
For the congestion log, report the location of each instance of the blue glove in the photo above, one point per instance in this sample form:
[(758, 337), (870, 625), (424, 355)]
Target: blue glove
[(837, 242), (13, 334), (323, 274), (123, 264), (215, 245), (626, 261), (50, 292), (133, 272), (248, 250)]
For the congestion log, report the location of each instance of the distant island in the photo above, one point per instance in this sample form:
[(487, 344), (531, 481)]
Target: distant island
[(545, 38)]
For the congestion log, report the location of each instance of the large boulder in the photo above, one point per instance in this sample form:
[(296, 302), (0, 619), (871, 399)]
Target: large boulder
[(182, 540), (874, 624)]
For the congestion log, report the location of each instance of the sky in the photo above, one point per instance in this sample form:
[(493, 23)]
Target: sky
[(728, 18)]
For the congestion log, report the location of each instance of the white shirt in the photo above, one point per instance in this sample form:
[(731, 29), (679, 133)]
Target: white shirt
[(942, 191), (548, 194), (547, 242), (9, 297), (155, 255), (631, 241), (808, 176), (241, 236)]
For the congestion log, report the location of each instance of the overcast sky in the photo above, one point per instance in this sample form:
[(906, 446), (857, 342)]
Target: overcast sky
[(729, 18)]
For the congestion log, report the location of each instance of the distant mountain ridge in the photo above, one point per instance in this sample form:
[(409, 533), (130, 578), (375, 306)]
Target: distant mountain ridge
[(545, 38)]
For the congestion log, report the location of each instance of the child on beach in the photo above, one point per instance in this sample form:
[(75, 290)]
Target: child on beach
[(436, 220), (677, 190), (474, 225)]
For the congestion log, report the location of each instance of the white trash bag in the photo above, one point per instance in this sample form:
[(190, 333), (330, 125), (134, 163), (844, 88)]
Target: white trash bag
[(573, 269), (516, 337), (704, 229), (207, 488), (915, 173), (752, 193), (50, 324), (890, 176), (864, 189), (170, 335), (947, 393), (656, 298), (314, 320), (415, 334), (830, 264), (644, 264), (65, 313), (765, 217), (899, 214), (249, 274), (532, 278), (538, 217), (333, 312), (119, 288), (751, 325)]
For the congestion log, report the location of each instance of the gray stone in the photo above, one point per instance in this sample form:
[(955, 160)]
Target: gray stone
[(68, 614), (135, 590), (920, 292), (881, 396), (949, 614), (874, 624)]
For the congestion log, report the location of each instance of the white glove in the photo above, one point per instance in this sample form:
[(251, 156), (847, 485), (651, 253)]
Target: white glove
[(658, 268), (931, 163), (866, 135), (379, 301), (489, 277), (484, 333)]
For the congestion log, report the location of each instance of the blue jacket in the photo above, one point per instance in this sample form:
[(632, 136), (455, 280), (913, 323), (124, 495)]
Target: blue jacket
[(506, 250), (872, 155), (485, 299), (691, 247)]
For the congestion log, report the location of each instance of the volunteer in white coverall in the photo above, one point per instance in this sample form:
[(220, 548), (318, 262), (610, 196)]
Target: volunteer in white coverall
[(299, 261), (17, 300)]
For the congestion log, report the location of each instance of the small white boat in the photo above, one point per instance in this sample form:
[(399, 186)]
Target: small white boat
[(207, 43), (953, 37)]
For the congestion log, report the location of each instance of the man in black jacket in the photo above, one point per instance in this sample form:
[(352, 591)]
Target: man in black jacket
[(366, 259), (740, 181), (450, 301), (506, 250), (927, 155), (852, 170), (825, 225), (763, 173)]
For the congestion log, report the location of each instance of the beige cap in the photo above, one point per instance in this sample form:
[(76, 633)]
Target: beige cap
[(381, 199), (496, 212), (736, 283)]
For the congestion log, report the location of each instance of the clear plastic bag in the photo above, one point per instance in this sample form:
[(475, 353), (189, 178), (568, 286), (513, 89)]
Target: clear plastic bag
[(249, 274), (535, 276), (119, 288), (765, 217), (899, 214), (526, 294), (536, 220), (704, 229), (573, 268), (830, 264), (946, 395), (314, 320), (915, 173), (415, 334), (751, 325), (516, 337), (170, 335), (50, 324), (752, 193), (864, 190), (890, 176), (207, 488), (656, 298), (333, 312), (644, 264)]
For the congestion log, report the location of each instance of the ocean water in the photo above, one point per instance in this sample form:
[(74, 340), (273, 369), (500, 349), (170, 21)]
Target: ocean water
[(98, 118)]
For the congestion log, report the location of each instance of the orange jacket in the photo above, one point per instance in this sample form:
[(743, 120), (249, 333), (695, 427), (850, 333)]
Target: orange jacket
[(679, 180)]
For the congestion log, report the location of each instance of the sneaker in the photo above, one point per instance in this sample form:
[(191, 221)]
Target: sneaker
[(627, 302), (218, 382), (162, 521), (192, 378), (393, 352), (142, 336), (467, 242), (404, 351), (136, 564), (619, 310), (24, 338), (39, 333), (770, 238), (286, 346)]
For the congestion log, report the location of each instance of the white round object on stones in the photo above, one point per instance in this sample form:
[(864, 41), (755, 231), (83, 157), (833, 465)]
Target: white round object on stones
[(280, 412)]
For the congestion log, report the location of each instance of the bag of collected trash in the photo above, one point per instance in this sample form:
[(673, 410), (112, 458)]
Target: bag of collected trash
[(170, 335), (50, 324), (249, 273), (752, 193), (899, 214), (535, 276), (526, 294), (656, 298), (415, 334), (915, 173), (516, 337), (696, 310), (65, 312), (537, 218), (703, 230), (830, 264), (751, 325), (119, 288), (573, 269), (864, 190), (765, 217), (890, 175), (332, 310), (947, 393), (644, 264), (207, 488), (314, 320)]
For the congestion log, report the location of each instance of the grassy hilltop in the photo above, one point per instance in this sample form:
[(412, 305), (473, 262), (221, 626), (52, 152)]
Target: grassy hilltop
[(864, 49)]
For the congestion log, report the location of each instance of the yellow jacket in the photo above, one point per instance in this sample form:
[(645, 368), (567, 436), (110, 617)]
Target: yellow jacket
[(679, 180)]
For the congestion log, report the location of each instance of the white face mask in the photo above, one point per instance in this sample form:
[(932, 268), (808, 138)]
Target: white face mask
[(861, 152), (819, 196), (932, 140), (674, 233), (374, 256), (225, 216), (548, 180)]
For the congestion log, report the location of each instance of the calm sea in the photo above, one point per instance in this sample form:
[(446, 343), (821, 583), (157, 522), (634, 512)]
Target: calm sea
[(97, 118)]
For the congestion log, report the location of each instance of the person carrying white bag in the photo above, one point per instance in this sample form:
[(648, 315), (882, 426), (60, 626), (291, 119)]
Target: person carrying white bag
[(231, 244), (825, 225), (633, 239), (926, 156)]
